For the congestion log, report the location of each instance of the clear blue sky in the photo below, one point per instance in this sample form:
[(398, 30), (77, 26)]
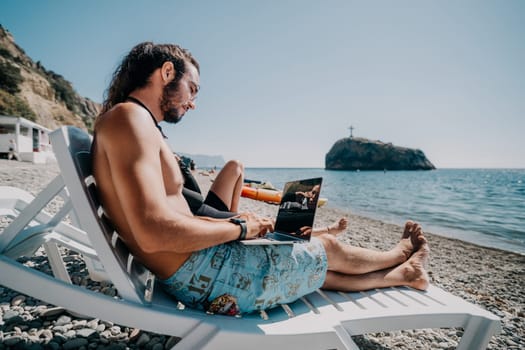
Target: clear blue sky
[(281, 80)]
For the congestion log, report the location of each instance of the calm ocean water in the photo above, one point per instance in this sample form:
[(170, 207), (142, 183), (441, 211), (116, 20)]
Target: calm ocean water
[(483, 206)]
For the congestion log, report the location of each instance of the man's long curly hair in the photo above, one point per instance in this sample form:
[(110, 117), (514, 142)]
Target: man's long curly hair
[(136, 68)]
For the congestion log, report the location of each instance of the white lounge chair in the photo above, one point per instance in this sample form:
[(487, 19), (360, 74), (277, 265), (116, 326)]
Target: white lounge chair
[(32, 227), (321, 320)]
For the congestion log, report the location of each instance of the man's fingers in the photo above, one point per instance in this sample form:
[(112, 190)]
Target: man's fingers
[(267, 225)]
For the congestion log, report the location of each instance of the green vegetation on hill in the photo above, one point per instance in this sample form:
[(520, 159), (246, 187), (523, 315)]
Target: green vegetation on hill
[(14, 105), (63, 90), (21, 79), (10, 77), (10, 80)]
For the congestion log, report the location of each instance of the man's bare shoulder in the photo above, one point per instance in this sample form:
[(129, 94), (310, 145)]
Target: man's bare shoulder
[(125, 119)]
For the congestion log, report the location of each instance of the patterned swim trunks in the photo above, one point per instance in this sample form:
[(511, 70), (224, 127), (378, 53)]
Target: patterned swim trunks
[(258, 277)]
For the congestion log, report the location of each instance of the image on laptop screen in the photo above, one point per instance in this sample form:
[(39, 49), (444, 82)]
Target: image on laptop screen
[(297, 209)]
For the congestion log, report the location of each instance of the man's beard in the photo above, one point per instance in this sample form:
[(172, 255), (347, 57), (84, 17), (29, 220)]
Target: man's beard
[(170, 112), (172, 116)]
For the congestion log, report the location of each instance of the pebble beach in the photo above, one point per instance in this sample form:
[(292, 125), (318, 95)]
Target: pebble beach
[(491, 278)]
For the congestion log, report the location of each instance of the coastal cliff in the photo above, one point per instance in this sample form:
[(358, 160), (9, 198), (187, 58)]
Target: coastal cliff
[(30, 91), (356, 153)]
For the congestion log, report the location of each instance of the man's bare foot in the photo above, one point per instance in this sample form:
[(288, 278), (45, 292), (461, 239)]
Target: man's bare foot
[(411, 240), (413, 231), (333, 229), (338, 226), (412, 272)]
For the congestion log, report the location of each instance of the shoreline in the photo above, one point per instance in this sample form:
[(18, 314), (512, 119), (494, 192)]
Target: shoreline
[(484, 241), (486, 276), (473, 212)]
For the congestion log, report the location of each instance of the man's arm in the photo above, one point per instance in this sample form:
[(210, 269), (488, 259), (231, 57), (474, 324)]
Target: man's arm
[(133, 147)]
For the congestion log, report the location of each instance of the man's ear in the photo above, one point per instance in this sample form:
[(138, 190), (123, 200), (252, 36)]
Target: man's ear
[(167, 72)]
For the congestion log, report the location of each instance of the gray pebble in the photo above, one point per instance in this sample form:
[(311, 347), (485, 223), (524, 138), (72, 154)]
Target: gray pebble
[(32, 339), (134, 334), (36, 323), (60, 329), (59, 338), (54, 311), (46, 334), (12, 340), (75, 343), (10, 314), (63, 320), (157, 346), (143, 340), (15, 320), (85, 332), (77, 324), (114, 330), (70, 334), (93, 324), (52, 345), (19, 299)]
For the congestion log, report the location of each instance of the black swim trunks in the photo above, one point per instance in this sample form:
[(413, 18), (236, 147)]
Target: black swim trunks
[(214, 207)]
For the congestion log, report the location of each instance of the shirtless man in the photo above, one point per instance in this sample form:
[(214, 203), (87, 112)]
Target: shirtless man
[(198, 259)]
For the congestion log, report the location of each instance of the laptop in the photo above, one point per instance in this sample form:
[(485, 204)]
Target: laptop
[(296, 214)]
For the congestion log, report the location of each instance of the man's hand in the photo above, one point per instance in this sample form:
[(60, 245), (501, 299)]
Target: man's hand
[(305, 231), (257, 226)]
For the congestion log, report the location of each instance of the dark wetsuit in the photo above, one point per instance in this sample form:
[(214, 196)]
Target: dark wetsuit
[(212, 206)]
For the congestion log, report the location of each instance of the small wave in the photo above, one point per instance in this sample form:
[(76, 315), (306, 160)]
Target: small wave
[(470, 202)]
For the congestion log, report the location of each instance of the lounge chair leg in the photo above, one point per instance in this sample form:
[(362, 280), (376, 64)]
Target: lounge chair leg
[(57, 264), (345, 338), (477, 333)]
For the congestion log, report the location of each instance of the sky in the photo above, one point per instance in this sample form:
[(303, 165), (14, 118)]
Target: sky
[(282, 80)]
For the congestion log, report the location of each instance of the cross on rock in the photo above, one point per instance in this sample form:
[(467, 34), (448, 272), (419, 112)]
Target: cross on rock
[(351, 128)]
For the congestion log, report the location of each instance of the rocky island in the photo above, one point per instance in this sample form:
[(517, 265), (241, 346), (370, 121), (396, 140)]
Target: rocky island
[(357, 153)]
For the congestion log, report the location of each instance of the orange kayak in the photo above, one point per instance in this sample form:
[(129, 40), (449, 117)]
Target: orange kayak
[(270, 196), (261, 194)]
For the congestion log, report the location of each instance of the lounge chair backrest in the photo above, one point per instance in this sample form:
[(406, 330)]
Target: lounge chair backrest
[(72, 147)]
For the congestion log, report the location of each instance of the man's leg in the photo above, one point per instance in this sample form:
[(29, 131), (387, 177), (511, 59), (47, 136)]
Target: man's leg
[(334, 229), (350, 260), (228, 184), (410, 273)]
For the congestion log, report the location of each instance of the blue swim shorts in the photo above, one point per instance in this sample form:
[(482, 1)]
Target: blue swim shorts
[(259, 277)]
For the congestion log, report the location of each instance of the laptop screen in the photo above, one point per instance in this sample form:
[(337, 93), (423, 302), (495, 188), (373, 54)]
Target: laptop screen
[(297, 209)]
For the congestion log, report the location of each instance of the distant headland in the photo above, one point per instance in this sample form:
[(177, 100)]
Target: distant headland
[(356, 153)]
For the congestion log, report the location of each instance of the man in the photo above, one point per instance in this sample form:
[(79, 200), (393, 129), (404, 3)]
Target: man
[(301, 200), (13, 150), (198, 258)]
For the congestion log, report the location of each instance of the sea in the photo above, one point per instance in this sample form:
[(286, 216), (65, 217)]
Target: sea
[(481, 206)]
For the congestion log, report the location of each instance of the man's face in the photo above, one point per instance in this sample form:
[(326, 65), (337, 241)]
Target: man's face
[(178, 97), (314, 193)]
